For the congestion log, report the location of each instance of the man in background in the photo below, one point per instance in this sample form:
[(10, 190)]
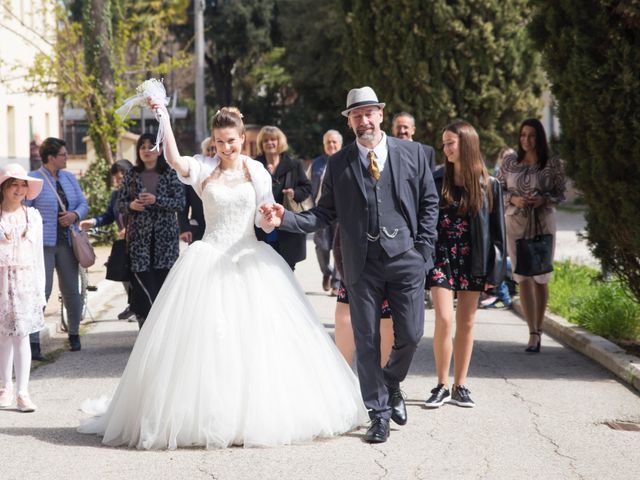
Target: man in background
[(323, 239), (403, 126)]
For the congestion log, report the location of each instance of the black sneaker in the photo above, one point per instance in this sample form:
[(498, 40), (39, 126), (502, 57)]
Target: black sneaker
[(460, 397), (439, 396)]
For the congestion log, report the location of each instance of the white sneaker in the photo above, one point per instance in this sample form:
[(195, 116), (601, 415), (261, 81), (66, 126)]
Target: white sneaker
[(25, 404), (6, 397)]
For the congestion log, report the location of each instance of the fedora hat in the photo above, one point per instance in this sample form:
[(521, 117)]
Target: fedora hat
[(361, 97), (17, 171)]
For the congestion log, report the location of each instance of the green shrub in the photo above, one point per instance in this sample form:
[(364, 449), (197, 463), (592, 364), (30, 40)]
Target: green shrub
[(570, 286), (611, 313), (592, 60), (606, 308)]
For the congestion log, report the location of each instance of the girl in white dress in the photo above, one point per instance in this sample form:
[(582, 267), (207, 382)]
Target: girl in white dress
[(21, 282), (232, 352)]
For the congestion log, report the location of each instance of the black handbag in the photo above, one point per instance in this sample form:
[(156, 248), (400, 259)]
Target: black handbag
[(118, 262), (534, 254)]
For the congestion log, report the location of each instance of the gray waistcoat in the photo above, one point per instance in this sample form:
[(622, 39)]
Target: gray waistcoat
[(384, 216)]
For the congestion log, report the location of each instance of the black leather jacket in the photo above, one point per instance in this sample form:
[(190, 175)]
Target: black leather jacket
[(488, 239)]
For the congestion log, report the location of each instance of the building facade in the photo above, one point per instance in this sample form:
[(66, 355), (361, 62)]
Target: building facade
[(25, 25)]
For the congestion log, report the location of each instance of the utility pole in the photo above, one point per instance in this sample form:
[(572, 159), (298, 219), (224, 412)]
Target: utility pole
[(200, 106)]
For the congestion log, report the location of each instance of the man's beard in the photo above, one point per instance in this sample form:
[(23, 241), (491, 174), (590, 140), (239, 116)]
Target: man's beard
[(366, 135)]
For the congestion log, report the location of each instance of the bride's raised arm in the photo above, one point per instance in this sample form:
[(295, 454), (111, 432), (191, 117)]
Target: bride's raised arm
[(171, 154)]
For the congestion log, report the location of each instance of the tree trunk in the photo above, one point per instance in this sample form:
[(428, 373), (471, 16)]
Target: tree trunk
[(97, 26)]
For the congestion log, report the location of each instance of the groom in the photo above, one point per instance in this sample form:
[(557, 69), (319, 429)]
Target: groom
[(381, 191)]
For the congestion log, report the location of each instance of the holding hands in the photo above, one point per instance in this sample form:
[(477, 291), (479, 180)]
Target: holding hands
[(272, 214)]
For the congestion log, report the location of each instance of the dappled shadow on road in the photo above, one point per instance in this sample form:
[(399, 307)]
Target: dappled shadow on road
[(104, 355)]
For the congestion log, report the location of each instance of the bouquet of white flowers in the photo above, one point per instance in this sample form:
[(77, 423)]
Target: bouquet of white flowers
[(150, 92)]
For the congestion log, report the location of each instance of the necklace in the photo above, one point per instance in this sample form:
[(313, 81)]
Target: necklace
[(232, 172)]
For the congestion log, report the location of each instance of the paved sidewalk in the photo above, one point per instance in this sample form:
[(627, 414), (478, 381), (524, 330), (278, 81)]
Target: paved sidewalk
[(536, 415)]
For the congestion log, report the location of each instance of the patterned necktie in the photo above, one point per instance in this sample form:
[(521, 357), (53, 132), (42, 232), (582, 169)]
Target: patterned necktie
[(374, 171)]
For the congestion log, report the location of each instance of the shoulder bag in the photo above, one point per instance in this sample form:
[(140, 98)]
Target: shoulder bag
[(293, 206), (82, 248), (533, 253)]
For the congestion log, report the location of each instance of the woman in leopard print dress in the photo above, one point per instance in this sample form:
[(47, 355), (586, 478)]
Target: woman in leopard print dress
[(151, 195)]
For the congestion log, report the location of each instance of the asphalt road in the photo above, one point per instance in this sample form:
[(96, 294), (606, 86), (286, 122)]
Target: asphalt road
[(536, 416)]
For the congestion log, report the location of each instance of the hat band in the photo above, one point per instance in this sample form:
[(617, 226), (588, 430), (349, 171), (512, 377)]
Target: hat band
[(363, 103)]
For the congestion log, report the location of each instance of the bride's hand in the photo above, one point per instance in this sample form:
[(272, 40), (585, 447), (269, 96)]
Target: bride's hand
[(272, 214)]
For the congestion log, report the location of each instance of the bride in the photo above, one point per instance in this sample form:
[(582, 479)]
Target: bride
[(222, 360)]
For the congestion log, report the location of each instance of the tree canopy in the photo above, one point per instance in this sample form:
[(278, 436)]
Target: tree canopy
[(443, 60), (592, 56), (103, 50)]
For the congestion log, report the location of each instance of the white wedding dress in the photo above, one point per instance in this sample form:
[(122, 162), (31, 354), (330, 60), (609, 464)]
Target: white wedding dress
[(232, 352)]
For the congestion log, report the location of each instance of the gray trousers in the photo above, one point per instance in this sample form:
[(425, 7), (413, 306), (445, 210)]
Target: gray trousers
[(323, 240), (400, 280), (62, 259)]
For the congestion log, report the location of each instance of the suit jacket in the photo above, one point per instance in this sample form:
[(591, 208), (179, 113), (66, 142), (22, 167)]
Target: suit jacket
[(192, 210), (344, 198), (431, 156), (317, 169)]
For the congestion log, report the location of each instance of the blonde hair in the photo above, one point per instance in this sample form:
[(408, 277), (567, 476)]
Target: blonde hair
[(270, 131), (475, 177)]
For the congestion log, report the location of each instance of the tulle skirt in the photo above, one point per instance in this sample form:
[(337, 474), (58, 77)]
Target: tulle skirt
[(230, 354)]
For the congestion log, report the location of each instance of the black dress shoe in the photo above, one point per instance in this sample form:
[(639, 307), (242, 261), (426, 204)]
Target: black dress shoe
[(74, 343), (398, 407), (378, 431), (35, 352)]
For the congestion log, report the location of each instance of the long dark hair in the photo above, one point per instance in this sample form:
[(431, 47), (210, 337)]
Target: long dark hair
[(475, 177), (542, 147), (161, 166)]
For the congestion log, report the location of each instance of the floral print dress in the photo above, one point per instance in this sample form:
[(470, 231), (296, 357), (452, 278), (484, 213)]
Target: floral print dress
[(452, 267), (21, 272)]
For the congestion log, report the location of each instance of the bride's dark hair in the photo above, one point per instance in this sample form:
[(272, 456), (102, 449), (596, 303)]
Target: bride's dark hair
[(228, 117)]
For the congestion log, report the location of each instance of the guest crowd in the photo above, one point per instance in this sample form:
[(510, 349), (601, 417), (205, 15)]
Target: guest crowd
[(480, 218)]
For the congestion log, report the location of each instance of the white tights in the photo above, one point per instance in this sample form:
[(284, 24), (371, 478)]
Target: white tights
[(15, 352)]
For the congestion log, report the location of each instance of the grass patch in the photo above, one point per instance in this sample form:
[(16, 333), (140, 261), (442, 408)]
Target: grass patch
[(571, 208), (605, 308)]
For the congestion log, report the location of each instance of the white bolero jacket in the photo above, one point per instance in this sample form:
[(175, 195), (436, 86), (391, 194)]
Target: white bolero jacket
[(200, 167)]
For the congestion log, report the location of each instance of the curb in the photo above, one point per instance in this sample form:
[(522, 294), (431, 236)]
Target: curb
[(606, 353), (96, 304)]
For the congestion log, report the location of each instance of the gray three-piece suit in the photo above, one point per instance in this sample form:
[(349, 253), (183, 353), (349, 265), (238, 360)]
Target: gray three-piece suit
[(388, 230)]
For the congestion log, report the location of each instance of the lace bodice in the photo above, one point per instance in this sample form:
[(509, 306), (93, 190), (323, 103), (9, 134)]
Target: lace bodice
[(229, 210)]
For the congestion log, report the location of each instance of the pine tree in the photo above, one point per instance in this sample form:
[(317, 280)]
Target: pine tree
[(442, 60), (591, 52)]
